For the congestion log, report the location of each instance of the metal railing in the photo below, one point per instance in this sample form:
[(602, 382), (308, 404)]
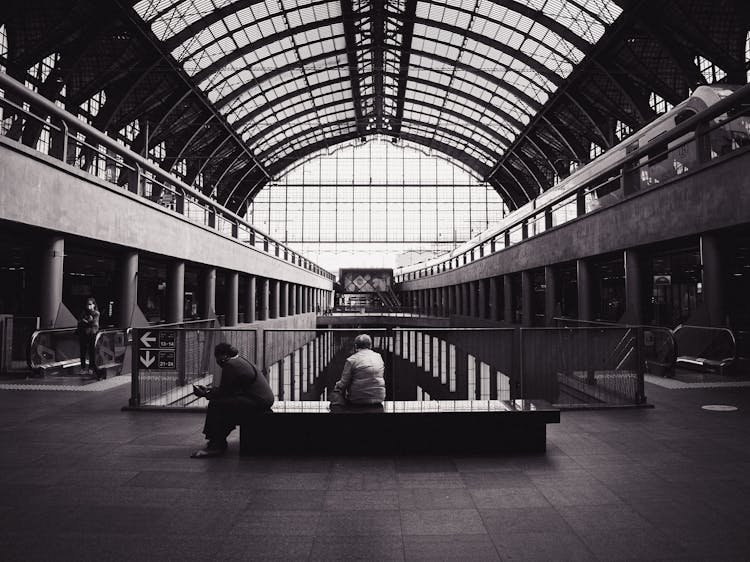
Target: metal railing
[(659, 347), (565, 366), (719, 130), (78, 144), (705, 348)]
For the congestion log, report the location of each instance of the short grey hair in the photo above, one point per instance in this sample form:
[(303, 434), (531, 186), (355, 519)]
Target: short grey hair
[(363, 341)]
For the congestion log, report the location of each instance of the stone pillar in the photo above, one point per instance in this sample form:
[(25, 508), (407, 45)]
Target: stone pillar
[(473, 298), (208, 300), (51, 281), (507, 299), (283, 299), (292, 299), (550, 295), (465, 298), (128, 288), (583, 272), (232, 296), (713, 279), (300, 299), (265, 300), (250, 315), (305, 306), (633, 288), (445, 300), (274, 305), (176, 291), (482, 305), (527, 301), (494, 305)]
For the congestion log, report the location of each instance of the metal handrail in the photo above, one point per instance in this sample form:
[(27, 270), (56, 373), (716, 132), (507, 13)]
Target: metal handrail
[(622, 166), (71, 122), (711, 329)]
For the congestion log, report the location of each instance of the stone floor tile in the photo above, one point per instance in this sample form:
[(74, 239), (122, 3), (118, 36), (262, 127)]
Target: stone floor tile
[(477, 548)]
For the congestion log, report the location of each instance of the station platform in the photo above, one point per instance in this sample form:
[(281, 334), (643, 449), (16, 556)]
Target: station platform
[(81, 480)]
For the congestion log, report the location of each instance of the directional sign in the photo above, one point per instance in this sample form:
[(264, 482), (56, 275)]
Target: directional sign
[(157, 350), (147, 339), (166, 360), (147, 357), (166, 339)]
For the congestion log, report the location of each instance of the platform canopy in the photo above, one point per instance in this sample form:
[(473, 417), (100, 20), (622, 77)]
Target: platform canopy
[(514, 90)]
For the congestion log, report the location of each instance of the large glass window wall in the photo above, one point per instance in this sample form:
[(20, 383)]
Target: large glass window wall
[(384, 203)]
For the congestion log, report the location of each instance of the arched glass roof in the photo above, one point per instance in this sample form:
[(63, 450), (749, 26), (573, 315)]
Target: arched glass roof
[(463, 77)]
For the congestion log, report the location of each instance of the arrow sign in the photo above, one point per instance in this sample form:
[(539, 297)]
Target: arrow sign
[(148, 360), (147, 339)]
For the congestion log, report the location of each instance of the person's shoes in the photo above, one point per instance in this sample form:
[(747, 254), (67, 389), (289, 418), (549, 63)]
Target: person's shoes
[(207, 453)]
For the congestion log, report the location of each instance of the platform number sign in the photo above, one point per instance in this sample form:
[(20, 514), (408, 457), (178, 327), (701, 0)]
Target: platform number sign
[(157, 350)]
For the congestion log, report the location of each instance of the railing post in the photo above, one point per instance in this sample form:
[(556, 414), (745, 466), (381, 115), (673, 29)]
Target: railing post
[(640, 393), (135, 387)]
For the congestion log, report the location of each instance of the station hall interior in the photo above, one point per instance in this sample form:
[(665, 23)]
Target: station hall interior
[(538, 210)]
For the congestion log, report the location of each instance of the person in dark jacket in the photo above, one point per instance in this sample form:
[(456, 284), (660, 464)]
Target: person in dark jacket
[(243, 390), (88, 326)]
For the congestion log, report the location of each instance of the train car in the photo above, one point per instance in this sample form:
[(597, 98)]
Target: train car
[(664, 162)]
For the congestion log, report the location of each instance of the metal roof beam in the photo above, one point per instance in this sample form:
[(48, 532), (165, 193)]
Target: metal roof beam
[(407, 33), (378, 60), (351, 57)]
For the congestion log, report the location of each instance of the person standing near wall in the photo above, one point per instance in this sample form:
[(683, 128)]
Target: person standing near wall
[(88, 326)]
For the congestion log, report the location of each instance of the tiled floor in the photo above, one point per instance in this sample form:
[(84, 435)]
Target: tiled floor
[(81, 480)]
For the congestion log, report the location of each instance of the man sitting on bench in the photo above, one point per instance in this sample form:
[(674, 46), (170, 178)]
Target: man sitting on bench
[(362, 381), (243, 390)]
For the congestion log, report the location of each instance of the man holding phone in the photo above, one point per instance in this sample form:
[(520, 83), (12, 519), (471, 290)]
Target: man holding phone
[(243, 390)]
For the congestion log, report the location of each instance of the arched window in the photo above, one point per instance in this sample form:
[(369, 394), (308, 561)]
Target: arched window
[(376, 201)]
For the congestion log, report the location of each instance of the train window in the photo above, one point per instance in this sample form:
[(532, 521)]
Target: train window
[(684, 115), (658, 153)]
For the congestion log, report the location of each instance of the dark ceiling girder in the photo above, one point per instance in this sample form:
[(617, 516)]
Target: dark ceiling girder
[(407, 33), (459, 93), (278, 102), (283, 122), (250, 168), (519, 156), (218, 181), (588, 113), (611, 37), (219, 143), (237, 92), (534, 104), (479, 38), (577, 154), (116, 99), (509, 169), (273, 149), (351, 57), (540, 150), (227, 59), (640, 105), (143, 29), (198, 128), (378, 60)]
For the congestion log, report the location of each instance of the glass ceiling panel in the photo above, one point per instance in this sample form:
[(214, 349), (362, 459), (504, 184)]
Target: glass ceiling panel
[(478, 72)]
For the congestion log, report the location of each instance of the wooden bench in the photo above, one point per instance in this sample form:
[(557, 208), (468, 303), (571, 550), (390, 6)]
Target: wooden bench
[(401, 427)]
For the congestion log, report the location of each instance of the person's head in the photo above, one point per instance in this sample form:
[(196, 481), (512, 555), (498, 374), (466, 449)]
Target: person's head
[(224, 351), (363, 341), (90, 303)]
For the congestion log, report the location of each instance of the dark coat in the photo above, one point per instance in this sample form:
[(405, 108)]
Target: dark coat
[(241, 379)]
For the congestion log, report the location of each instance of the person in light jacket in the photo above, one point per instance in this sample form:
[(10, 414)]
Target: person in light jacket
[(362, 380)]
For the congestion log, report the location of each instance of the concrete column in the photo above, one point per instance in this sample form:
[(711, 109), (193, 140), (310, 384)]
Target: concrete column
[(265, 300), (507, 299), (550, 295), (583, 272), (51, 281), (175, 291), (305, 303), (445, 301), (713, 269), (473, 298), (527, 301), (274, 304), (250, 299), (300, 294), (292, 299), (283, 299), (208, 300), (232, 296), (482, 307), (494, 311), (128, 287), (633, 288)]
